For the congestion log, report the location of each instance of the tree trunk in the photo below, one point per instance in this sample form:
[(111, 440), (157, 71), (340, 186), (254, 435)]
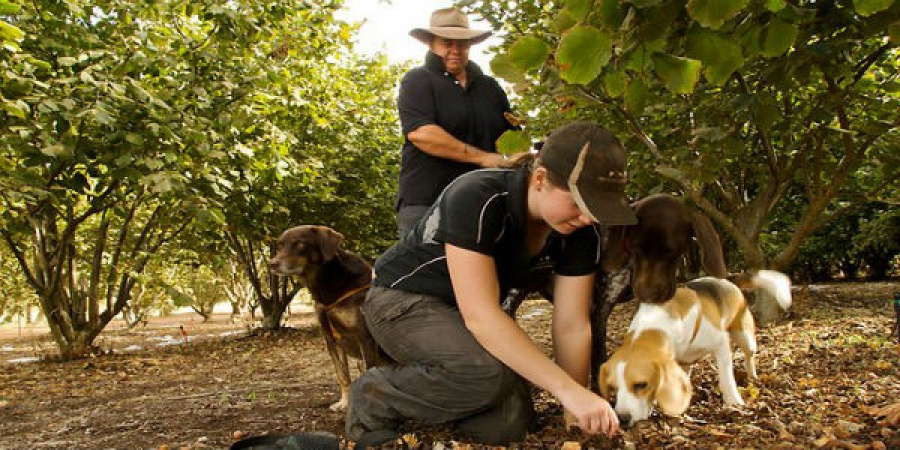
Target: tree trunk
[(273, 307), (73, 337)]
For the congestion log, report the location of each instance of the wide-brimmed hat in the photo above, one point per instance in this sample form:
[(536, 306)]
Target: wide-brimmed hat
[(592, 162), (449, 23)]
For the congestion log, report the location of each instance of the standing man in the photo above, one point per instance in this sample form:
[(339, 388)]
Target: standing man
[(451, 113)]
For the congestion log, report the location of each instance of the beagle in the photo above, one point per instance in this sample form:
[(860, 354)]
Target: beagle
[(664, 339)]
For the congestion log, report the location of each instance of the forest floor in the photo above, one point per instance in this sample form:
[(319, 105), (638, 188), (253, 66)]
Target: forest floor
[(829, 376)]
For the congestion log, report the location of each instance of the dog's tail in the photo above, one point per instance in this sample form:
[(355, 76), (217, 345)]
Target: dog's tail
[(775, 284), (772, 283)]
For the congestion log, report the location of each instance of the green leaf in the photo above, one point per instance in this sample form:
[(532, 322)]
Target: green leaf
[(679, 74), (765, 112), (563, 21), (645, 3), (720, 54), (775, 5), (7, 8), (714, 13), (55, 150), (582, 53), (578, 8), (10, 33), (611, 14), (503, 66), (710, 134), (866, 8), (670, 172), (637, 59), (124, 160), (779, 37), (17, 108), (513, 141), (66, 61), (614, 83), (529, 52), (894, 33), (134, 138), (636, 96)]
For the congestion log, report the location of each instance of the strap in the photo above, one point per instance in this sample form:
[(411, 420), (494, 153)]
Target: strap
[(340, 299), (347, 295)]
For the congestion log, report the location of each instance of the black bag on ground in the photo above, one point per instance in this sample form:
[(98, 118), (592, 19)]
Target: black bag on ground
[(299, 441)]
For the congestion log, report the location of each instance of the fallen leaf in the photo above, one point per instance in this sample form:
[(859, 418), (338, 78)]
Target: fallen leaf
[(751, 392), (410, 439), (571, 445), (891, 414), (823, 441)]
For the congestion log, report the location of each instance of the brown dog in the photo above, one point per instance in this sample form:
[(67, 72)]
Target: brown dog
[(655, 246), (338, 281), (642, 261)]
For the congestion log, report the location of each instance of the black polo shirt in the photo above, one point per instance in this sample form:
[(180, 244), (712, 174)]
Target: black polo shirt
[(474, 115), (484, 211)]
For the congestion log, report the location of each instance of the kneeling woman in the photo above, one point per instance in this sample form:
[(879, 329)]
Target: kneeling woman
[(435, 303)]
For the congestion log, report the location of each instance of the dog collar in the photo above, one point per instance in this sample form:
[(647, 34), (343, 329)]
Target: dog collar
[(347, 295)]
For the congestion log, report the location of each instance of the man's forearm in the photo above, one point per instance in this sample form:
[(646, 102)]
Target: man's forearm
[(435, 141)]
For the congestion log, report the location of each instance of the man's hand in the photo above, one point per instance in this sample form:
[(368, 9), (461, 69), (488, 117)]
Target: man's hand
[(492, 160)]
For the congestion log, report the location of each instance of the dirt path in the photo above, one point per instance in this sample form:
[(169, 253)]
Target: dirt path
[(824, 372)]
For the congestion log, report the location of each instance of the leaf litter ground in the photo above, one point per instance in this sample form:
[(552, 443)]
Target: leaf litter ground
[(829, 379)]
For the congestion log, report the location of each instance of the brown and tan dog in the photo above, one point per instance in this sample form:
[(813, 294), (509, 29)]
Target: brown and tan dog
[(338, 281)]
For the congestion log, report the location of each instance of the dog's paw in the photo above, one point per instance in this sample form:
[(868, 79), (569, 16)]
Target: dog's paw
[(735, 406), (340, 405)]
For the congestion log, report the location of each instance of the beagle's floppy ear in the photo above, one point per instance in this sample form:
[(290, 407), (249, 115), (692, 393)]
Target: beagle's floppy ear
[(673, 394), (329, 241), (710, 248)]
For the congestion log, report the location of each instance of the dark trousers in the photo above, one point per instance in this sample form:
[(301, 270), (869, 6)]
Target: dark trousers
[(442, 374), (408, 217)]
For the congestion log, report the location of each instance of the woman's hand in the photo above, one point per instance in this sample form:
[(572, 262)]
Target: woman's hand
[(591, 413), (572, 346)]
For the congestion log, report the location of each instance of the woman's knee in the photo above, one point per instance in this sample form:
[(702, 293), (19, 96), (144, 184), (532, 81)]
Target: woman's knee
[(484, 377)]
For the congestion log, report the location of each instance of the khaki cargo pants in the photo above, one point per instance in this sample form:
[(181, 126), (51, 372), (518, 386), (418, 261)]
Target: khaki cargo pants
[(442, 374)]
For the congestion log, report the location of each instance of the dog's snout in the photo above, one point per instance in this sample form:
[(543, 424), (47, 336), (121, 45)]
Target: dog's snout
[(654, 292), (624, 419)]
